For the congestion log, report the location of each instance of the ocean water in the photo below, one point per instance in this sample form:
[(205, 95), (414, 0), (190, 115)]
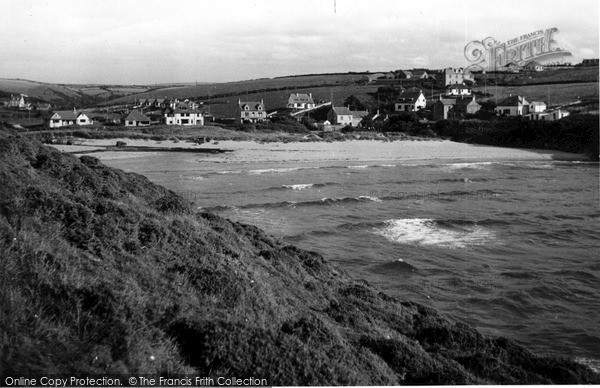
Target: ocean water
[(510, 247)]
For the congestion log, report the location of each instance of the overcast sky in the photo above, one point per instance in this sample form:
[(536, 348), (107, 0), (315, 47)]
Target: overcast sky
[(146, 42)]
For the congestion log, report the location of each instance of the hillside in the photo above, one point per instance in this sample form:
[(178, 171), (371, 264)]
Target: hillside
[(65, 96), (104, 272)]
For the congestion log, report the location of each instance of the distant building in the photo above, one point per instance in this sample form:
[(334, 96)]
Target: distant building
[(513, 106), (252, 111), (300, 101), (533, 66), (17, 101), (590, 62), (458, 90), (452, 76), (136, 119), (419, 74), (63, 118), (403, 74), (512, 67), (183, 113), (42, 106), (537, 106), (411, 101)]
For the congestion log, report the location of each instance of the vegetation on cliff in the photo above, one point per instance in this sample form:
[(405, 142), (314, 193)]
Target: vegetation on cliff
[(102, 271)]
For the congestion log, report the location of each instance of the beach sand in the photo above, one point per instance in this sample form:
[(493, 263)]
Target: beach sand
[(352, 150)]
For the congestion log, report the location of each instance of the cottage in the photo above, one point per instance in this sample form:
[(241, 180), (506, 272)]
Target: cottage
[(300, 101), (442, 108), (458, 90), (136, 119), (64, 118), (339, 115), (410, 102), (513, 106), (466, 106), (252, 111)]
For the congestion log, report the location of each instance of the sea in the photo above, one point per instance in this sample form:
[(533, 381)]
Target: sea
[(510, 247)]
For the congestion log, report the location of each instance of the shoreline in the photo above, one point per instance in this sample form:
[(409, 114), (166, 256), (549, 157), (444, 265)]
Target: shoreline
[(255, 151)]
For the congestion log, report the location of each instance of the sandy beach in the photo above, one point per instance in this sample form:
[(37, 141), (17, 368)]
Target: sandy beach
[(355, 150)]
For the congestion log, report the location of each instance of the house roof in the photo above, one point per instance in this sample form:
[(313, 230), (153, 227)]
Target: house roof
[(513, 101), (253, 105), (466, 101), (300, 98), (359, 113), (66, 114), (418, 73), (410, 96), (136, 115)]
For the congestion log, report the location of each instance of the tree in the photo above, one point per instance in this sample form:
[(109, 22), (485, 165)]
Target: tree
[(354, 103)]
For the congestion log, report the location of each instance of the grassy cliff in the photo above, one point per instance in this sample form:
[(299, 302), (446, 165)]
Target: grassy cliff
[(102, 271)]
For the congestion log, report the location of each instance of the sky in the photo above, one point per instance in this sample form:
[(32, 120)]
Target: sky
[(153, 42)]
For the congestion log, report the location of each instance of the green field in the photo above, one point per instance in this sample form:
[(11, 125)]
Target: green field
[(552, 94)]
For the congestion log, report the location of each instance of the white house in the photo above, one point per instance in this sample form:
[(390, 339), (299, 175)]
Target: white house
[(183, 114), (339, 115), (458, 90), (63, 118), (513, 106), (410, 102), (300, 101)]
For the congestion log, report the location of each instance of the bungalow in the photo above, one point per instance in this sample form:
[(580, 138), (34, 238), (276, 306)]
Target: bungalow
[(458, 90), (136, 119), (533, 66), (182, 114), (62, 118), (513, 106), (300, 101), (537, 106), (410, 102), (252, 111)]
